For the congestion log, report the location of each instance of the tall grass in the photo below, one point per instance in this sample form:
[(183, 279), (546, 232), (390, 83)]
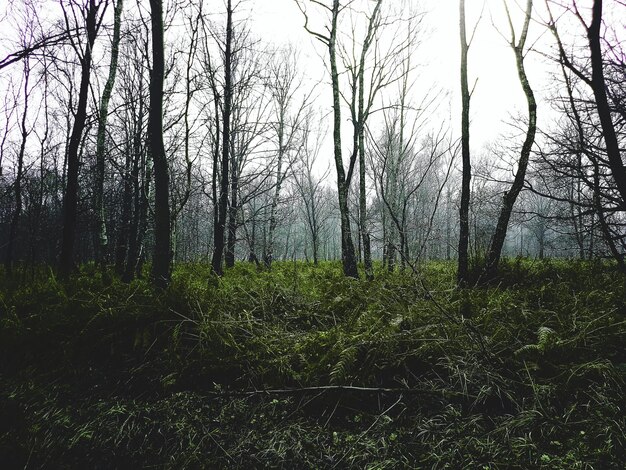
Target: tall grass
[(299, 367)]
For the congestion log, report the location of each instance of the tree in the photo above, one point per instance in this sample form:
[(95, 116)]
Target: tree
[(161, 261), (17, 185), (310, 187), (100, 139), (508, 201), (348, 256), (599, 87), (593, 134), (463, 260), (248, 132), (136, 172), (220, 227), (70, 199), (360, 111), (284, 83)]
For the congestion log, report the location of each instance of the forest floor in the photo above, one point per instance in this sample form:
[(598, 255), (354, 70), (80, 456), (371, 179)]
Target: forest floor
[(302, 368)]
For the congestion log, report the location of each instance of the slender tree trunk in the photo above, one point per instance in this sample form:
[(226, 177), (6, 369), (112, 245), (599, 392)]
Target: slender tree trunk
[(365, 235), (139, 163), (70, 199), (220, 227), (315, 243), (348, 257), (103, 239), (276, 197), (143, 220), (133, 235), (17, 186), (121, 248), (463, 262), (252, 257), (37, 236), (497, 241), (604, 226), (161, 262), (216, 161), (233, 211)]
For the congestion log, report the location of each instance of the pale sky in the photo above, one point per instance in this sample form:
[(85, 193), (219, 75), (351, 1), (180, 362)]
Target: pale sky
[(498, 94)]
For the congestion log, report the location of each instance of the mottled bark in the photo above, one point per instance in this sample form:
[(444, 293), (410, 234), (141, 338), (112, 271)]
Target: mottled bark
[(103, 239), (347, 246)]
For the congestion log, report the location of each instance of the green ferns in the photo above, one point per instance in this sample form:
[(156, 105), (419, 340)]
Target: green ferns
[(547, 339), (251, 370)]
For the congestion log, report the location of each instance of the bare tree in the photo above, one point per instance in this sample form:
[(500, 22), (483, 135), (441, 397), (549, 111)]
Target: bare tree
[(161, 262), (70, 200), (343, 182), (310, 188), (592, 107), (17, 185), (463, 260), (284, 84), (220, 226), (510, 196), (100, 139)]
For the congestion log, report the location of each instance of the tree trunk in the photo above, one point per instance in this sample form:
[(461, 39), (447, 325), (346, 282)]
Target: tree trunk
[(365, 235), (276, 197), (463, 262), (220, 228), (497, 241), (598, 85), (133, 232), (161, 262), (347, 246), (604, 226), (233, 212), (70, 198), (103, 241), (17, 186), (121, 248)]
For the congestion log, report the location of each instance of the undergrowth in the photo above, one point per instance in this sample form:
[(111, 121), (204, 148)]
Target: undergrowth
[(299, 367)]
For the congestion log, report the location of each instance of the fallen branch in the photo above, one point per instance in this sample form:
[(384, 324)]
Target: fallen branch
[(340, 388)]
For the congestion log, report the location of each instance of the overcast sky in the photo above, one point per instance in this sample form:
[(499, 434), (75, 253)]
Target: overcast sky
[(498, 94)]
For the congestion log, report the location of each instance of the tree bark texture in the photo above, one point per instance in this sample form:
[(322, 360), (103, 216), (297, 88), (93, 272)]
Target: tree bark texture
[(101, 136), (348, 257)]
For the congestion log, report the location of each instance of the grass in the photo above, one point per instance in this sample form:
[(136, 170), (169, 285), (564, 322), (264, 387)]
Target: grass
[(226, 373)]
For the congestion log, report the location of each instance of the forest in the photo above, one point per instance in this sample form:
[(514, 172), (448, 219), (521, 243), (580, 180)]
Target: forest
[(296, 234)]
